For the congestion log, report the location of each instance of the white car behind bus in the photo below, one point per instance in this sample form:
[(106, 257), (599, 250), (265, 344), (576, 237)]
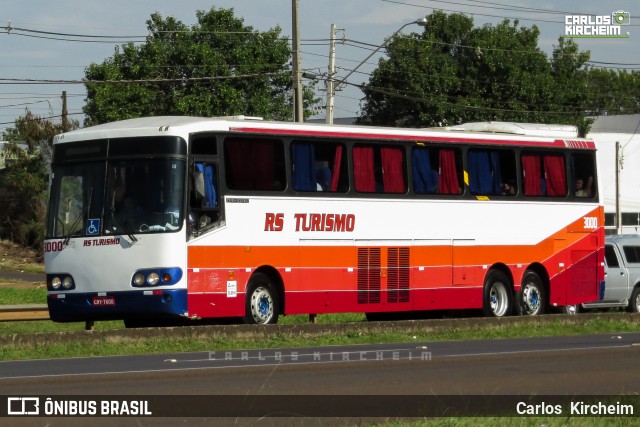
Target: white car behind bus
[(622, 275)]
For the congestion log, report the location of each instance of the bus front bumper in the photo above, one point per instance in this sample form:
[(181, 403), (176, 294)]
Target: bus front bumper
[(146, 304)]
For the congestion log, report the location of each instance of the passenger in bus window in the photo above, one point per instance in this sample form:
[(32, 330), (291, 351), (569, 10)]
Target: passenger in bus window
[(508, 188), (130, 208), (584, 189), (323, 179)]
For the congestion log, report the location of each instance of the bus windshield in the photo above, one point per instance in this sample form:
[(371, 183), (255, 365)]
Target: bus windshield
[(126, 196)]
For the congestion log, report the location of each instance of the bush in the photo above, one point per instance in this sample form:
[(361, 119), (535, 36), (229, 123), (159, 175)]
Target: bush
[(23, 200)]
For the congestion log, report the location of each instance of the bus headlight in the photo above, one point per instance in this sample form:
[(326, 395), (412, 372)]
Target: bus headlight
[(160, 276), (138, 279), (60, 282), (67, 282), (153, 279)]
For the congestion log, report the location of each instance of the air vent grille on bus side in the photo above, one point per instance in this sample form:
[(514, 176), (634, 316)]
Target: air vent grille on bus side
[(398, 275), (368, 275)]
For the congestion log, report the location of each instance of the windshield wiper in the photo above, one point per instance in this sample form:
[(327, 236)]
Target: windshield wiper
[(72, 231), (125, 226)]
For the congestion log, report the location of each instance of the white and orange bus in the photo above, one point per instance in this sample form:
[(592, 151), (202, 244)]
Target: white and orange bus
[(165, 219)]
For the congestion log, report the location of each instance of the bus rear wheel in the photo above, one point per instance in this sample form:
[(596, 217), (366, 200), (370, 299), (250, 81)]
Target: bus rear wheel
[(571, 309), (262, 306), (532, 298), (498, 298)]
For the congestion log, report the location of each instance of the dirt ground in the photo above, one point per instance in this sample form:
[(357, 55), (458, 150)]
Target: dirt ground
[(20, 266), (15, 257)]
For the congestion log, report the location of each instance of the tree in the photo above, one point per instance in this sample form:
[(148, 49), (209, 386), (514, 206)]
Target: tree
[(24, 182), (454, 72), (613, 92), (571, 88), (217, 67)]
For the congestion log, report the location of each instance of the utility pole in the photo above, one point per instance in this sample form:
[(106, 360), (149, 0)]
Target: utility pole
[(332, 72), (336, 85), (297, 84), (618, 167), (65, 120)]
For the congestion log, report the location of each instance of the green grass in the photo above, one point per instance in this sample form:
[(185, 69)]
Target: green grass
[(466, 330), (35, 295)]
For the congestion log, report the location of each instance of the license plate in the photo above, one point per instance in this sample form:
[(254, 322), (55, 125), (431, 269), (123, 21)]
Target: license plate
[(103, 301)]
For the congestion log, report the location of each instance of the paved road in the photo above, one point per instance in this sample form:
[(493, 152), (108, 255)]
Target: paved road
[(496, 369), (25, 277)]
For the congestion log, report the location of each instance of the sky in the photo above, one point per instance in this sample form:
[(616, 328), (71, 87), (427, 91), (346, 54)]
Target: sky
[(35, 57)]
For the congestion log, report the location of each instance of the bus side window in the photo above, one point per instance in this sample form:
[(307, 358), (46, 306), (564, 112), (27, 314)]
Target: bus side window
[(491, 172), (583, 175), (378, 169), (204, 209), (318, 166), (543, 174), (254, 164)]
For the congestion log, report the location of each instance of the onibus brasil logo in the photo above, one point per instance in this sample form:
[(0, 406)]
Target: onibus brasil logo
[(598, 26)]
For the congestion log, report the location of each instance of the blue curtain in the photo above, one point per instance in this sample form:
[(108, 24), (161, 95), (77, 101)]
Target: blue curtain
[(303, 167), (484, 172), (497, 173), (425, 180), (210, 185)]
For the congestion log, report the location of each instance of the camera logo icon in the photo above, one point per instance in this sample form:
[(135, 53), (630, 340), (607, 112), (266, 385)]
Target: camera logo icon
[(621, 17)]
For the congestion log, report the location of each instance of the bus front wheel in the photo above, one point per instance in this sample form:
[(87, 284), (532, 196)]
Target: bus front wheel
[(497, 295), (262, 305)]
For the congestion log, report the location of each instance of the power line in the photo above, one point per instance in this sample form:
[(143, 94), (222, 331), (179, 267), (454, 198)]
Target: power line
[(55, 116), (4, 80), (488, 15), (411, 97), (22, 104)]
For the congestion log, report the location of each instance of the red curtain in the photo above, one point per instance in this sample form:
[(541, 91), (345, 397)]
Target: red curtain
[(448, 173), (337, 161), (238, 153), (262, 159), (532, 174), (393, 175), (555, 172), (252, 164), (365, 181)]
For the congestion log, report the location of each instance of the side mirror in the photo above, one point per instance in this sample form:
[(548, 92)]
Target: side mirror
[(198, 184)]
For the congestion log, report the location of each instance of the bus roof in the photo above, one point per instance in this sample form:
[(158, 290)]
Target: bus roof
[(497, 132), (525, 129)]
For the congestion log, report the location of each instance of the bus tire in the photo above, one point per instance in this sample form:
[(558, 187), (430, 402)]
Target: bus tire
[(634, 301), (532, 296), (498, 295), (572, 309), (262, 305)]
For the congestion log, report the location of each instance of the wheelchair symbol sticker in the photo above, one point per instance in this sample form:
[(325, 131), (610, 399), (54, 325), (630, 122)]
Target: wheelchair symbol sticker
[(93, 227)]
